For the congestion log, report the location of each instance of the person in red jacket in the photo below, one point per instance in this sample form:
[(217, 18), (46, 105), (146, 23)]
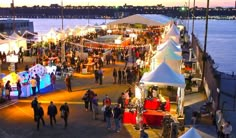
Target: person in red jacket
[(106, 102)]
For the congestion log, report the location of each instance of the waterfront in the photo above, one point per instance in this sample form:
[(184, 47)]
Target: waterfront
[(221, 37)]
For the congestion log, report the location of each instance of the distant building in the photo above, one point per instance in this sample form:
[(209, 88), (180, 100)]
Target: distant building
[(7, 26)]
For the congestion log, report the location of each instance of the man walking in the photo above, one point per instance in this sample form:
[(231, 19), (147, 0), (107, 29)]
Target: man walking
[(100, 74), (34, 105), (65, 113), (117, 117), (108, 114), (68, 83), (37, 78), (114, 75), (39, 115), (52, 112), (119, 76), (95, 106)]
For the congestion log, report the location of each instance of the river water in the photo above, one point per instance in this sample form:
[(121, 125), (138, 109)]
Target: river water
[(221, 44)]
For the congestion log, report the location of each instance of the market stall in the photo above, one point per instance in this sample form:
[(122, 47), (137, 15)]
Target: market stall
[(163, 75), (13, 78)]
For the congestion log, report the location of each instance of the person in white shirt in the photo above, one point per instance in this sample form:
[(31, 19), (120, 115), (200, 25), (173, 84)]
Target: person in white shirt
[(138, 62), (33, 83)]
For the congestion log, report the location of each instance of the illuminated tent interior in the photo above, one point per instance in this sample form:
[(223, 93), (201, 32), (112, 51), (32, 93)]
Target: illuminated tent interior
[(171, 58)]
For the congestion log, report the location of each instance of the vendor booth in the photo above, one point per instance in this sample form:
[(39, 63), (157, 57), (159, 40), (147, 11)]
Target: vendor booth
[(173, 33), (171, 58), (13, 78), (25, 77), (163, 75)]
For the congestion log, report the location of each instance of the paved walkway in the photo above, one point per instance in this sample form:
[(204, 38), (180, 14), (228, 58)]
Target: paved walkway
[(81, 123)]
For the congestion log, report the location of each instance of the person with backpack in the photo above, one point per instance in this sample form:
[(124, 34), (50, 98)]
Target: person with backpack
[(108, 115), (86, 100), (106, 102), (65, 113)]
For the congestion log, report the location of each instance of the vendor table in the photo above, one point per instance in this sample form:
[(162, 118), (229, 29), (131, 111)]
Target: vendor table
[(153, 118), (154, 104), (129, 117)]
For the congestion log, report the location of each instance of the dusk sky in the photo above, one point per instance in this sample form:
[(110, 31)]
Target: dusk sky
[(167, 3)]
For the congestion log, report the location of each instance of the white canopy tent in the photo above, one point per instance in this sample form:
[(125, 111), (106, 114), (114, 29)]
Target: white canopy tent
[(16, 42), (173, 33), (191, 133), (146, 19), (164, 75), (171, 58), (170, 44)]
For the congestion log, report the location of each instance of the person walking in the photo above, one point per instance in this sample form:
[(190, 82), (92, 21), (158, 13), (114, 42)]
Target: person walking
[(106, 102), (96, 75), (91, 95), (37, 78), (34, 105), (18, 87), (114, 75), (119, 76), (33, 83), (52, 112), (95, 106), (65, 113), (39, 115), (117, 117), (109, 115), (100, 75), (8, 90), (68, 83), (53, 80), (86, 100)]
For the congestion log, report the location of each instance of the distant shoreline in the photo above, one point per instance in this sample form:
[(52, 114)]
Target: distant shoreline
[(196, 18)]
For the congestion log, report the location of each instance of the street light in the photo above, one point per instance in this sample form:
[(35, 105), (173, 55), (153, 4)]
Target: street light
[(140, 103)]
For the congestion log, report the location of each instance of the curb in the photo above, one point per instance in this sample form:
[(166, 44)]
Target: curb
[(7, 104)]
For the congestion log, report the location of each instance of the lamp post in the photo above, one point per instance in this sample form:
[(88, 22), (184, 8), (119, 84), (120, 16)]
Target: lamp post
[(62, 15), (139, 117), (205, 44)]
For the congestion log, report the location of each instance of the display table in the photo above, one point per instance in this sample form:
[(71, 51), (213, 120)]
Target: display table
[(154, 104), (129, 117), (153, 117)]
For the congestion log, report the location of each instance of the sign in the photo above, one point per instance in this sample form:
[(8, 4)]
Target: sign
[(12, 58)]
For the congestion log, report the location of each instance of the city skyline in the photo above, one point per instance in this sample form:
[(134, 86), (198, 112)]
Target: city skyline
[(167, 3)]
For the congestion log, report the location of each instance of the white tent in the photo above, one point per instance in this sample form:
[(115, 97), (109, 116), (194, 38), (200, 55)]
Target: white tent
[(173, 33), (146, 19), (164, 75), (16, 42), (52, 36), (4, 45), (171, 58), (191, 133), (170, 44)]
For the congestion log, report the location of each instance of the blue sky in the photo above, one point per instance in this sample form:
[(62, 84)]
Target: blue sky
[(200, 3)]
